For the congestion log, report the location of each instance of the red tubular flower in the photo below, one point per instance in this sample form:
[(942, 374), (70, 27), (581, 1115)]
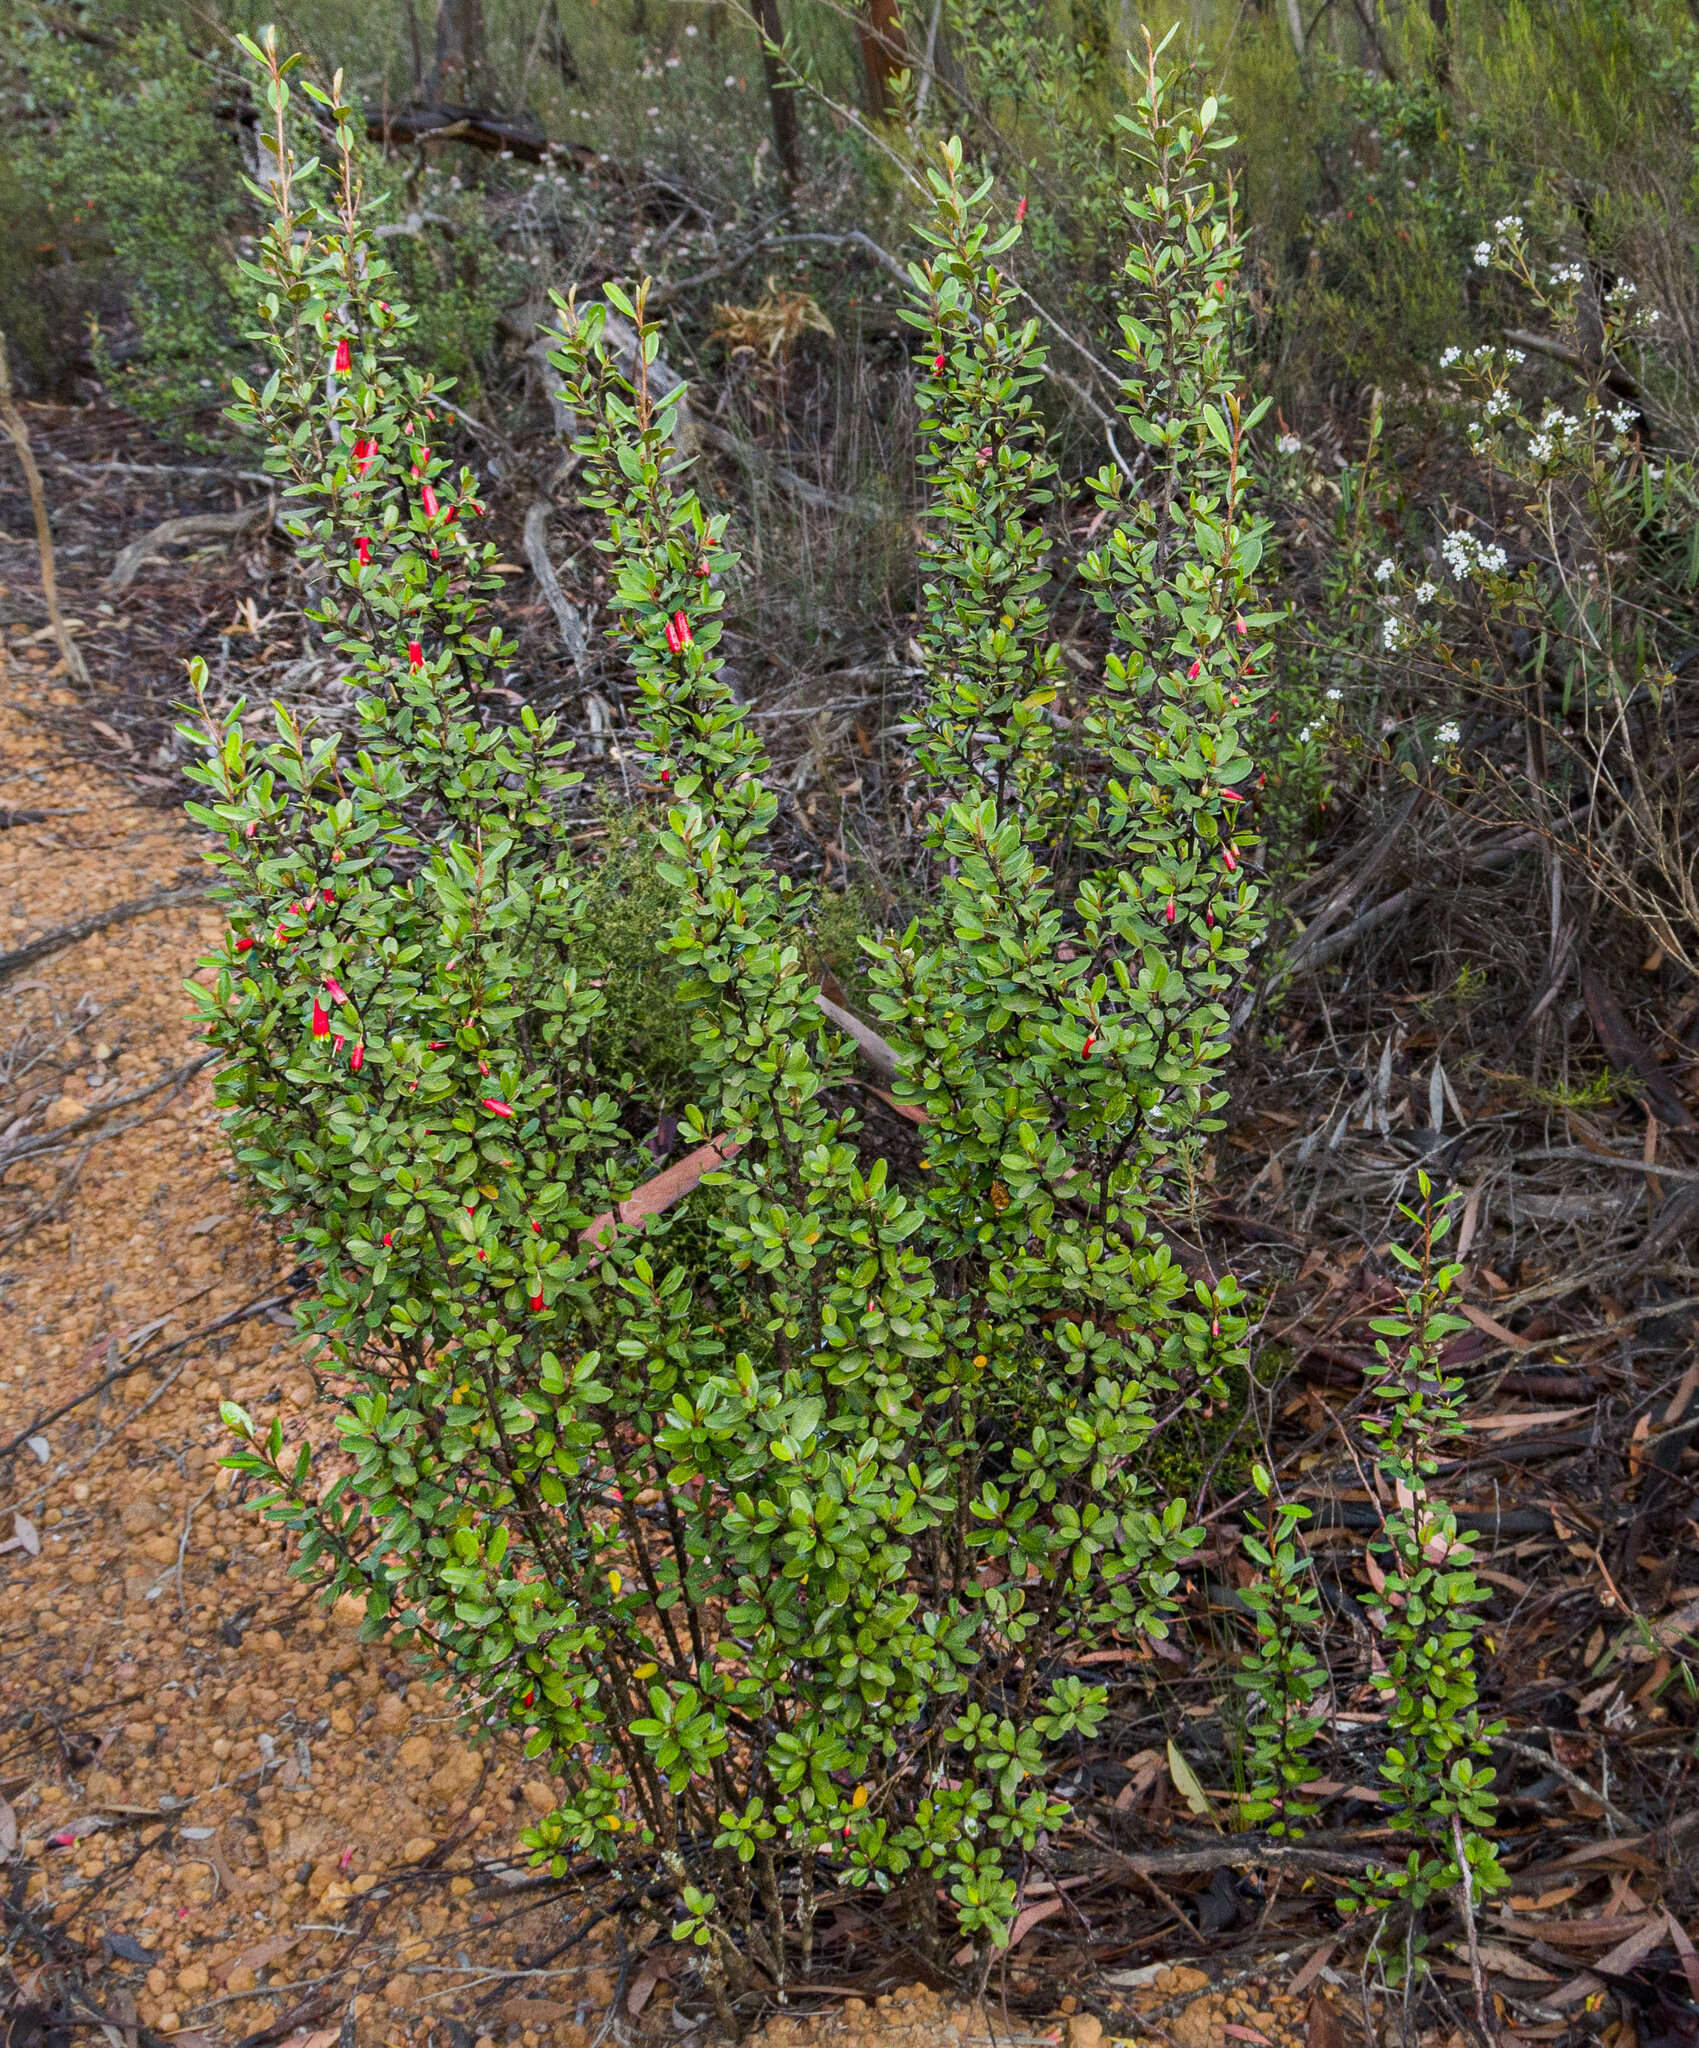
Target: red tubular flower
[(388, 1239), (938, 366), (365, 452), (415, 655), (1240, 628), (336, 1044), (1231, 796), (428, 502), (1229, 859), (334, 989), (1168, 917), (530, 1698), (342, 358), (363, 548), (537, 1299), (1085, 1050), (357, 1058), (321, 1019), (666, 775), (674, 643), (1194, 671), (681, 626), (497, 1107), (244, 945)]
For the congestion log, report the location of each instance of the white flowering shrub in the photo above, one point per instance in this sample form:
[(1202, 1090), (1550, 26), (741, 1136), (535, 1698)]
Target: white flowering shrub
[(1554, 597)]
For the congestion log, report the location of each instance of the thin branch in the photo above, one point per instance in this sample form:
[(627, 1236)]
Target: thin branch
[(13, 421)]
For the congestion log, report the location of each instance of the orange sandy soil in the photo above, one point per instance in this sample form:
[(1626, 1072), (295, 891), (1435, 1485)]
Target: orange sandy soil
[(237, 1823)]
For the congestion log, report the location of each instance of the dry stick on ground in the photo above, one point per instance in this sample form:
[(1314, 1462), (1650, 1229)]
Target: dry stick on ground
[(13, 421), (46, 1210), (86, 927), (123, 1369), (567, 615), (52, 1141), (190, 526)]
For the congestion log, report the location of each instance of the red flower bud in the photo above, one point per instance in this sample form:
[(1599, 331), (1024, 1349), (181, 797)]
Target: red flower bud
[(428, 502), (938, 366), (244, 945), (336, 1044), (1231, 796), (365, 452), (357, 1058), (1085, 1050), (497, 1107), (1169, 915), (415, 655), (483, 1067), (681, 626), (1194, 671), (537, 1228), (1229, 859), (388, 1238), (537, 1299), (1215, 1326), (253, 827), (342, 358), (1209, 919), (674, 644), (666, 775), (363, 548), (1020, 209), (335, 990), (530, 1698), (329, 895), (321, 1019), (1240, 628)]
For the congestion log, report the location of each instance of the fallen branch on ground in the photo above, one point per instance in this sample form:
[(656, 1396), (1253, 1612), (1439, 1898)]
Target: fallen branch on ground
[(567, 615), (85, 927), (189, 526)]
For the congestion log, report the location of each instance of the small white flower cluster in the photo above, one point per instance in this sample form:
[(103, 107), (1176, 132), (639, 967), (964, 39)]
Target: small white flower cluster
[(1514, 356), (1392, 632), (1622, 294), (1555, 428), (1334, 696), (1426, 592), (1483, 255), (1507, 224), (1452, 355), (1623, 419), (1465, 556), (1499, 404), (1385, 570), (1566, 274), (1289, 444), (1449, 733)]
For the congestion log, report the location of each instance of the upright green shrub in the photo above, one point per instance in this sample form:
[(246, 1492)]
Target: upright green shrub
[(778, 1556)]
